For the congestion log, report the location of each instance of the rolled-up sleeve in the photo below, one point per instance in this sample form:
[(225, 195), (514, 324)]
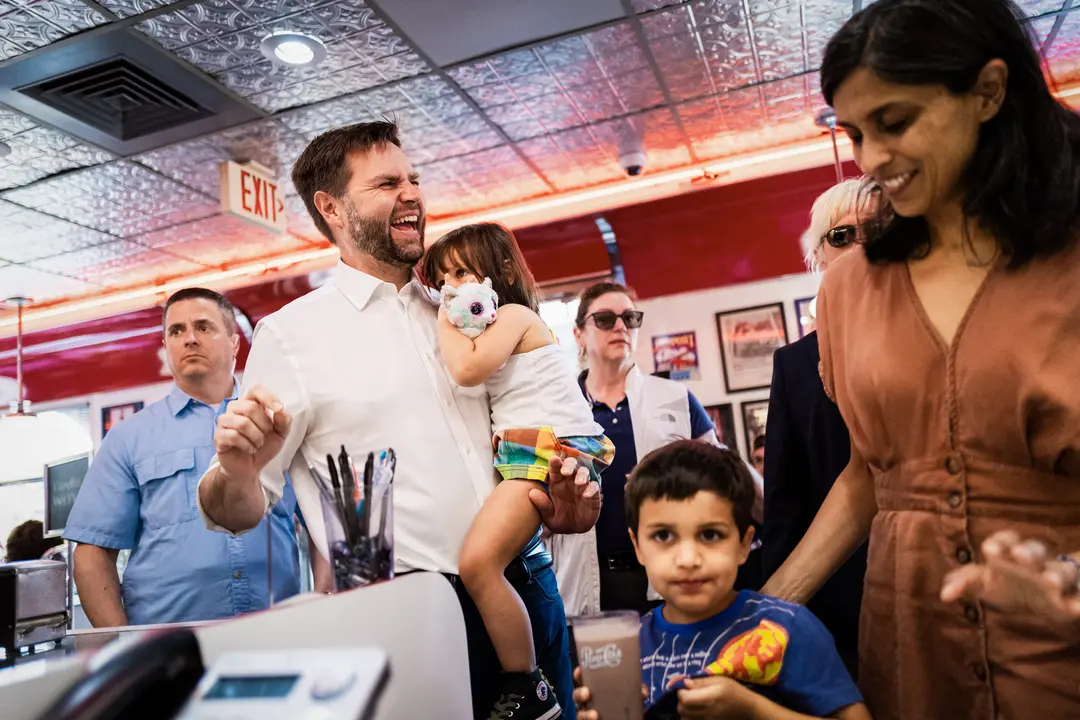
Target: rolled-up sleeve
[(106, 511), (271, 366)]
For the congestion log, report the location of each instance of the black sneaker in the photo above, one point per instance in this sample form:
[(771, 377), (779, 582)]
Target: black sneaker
[(526, 696)]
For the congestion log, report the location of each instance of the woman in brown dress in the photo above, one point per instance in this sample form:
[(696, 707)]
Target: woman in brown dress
[(952, 347)]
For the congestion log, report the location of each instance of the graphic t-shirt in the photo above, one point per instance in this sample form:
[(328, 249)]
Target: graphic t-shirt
[(775, 648)]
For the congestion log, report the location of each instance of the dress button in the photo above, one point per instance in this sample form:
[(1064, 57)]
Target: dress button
[(980, 671), (955, 499), (614, 421), (963, 555), (953, 465), (237, 574), (971, 613)]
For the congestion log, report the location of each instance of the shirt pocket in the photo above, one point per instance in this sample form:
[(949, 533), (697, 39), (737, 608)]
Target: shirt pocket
[(163, 481)]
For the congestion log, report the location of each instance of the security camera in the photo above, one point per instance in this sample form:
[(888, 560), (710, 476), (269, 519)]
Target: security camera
[(632, 156), (633, 162)]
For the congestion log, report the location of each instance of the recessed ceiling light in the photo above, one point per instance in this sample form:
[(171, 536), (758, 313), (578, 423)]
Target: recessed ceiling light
[(293, 49)]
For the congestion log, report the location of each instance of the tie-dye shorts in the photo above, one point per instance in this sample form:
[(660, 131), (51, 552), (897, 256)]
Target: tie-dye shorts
[(524, 453)]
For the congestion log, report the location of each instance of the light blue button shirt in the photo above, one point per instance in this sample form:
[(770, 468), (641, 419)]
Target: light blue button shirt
[(140, 494)]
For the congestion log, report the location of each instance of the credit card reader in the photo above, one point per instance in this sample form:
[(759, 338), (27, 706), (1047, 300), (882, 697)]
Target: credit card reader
[(323, 684)]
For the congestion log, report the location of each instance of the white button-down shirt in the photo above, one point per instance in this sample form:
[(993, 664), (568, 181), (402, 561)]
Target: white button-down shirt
[(356, 363)]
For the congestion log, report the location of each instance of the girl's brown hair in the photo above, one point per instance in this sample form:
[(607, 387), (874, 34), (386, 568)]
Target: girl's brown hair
[(487, 250)]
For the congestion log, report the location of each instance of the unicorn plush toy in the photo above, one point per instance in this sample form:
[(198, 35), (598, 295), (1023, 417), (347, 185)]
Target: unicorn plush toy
[(470, 307)]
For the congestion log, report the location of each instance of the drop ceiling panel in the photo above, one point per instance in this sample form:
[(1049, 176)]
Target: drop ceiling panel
[(492, 25)]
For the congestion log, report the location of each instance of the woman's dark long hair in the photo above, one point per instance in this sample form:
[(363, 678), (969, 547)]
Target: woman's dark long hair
[(1023, 182)]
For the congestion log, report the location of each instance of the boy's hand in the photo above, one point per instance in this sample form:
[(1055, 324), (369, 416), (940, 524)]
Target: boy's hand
[(582, 696), (708, 698)]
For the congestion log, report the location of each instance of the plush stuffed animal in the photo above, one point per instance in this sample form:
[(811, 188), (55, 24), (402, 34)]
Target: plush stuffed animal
[(470, 307)]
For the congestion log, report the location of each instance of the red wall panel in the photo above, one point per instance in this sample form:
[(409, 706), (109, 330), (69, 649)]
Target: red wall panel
[(722, 236)]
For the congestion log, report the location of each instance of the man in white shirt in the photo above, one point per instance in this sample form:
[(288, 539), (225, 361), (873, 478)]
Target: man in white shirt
[(356, 363)]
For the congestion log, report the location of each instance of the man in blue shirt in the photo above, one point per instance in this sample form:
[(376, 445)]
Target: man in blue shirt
[(140, 495)]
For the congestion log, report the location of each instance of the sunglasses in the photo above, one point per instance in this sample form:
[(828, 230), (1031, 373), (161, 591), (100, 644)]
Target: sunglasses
[(842, 236), (605, 319)]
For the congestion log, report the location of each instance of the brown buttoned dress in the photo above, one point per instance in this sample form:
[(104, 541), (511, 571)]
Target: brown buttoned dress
[(962, 441)]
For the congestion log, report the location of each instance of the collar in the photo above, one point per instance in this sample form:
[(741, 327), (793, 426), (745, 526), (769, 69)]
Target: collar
[(633, 383), (357, 286), (177, 399)]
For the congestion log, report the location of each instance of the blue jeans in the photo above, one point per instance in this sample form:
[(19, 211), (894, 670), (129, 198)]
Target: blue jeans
[(540, 593)]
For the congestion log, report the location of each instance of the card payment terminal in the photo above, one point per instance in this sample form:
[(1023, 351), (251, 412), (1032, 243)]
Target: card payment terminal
[(322, 684)]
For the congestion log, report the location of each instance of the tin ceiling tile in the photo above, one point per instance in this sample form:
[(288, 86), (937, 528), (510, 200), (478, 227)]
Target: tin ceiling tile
[(1038, 7), (119, 264), (1064, 55), (70, 16), (484, 179), (417, 105), (12, 123), (642, 6), (47, 237), (172, 30), (13, 176), (42, 286), (27, 30), (350, 80), (231, 235), (128, 8), (37, 152), (195, 163), (1040, 28), (120, 198), (215, 17)]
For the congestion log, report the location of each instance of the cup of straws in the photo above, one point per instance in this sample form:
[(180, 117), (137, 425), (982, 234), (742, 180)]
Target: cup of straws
[(358, 513)]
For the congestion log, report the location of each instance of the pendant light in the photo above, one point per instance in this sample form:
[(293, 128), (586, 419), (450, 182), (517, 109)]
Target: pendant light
[(29, 440), (827, 119), (21, 407)]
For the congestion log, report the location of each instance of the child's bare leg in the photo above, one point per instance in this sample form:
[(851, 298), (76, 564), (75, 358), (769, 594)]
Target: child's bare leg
[(500, 531)]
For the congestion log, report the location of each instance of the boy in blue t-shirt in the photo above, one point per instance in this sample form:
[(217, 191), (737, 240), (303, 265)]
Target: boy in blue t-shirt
[(710, 651)]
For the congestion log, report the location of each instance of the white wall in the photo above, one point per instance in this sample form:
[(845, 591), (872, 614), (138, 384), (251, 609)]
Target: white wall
[(97, 401), (697, 310)]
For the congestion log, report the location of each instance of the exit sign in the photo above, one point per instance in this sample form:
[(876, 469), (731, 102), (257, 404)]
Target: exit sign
[(250, 193)]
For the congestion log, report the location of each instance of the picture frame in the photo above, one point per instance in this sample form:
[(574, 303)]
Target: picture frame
[(755, 415), (723, 418), (676, 355), (805, 315), (115, 414), (748, 339)]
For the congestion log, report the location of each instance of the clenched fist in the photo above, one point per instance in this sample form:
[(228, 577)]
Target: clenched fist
[(250, 433)]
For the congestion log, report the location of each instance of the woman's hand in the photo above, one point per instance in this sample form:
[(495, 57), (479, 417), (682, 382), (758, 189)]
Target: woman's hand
[(1017, 577), (582, 696)]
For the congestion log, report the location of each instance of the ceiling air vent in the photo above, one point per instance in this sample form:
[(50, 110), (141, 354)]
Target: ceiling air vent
[(119, 98)]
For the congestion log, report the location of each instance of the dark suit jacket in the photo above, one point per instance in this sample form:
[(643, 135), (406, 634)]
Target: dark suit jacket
[(806, 448)]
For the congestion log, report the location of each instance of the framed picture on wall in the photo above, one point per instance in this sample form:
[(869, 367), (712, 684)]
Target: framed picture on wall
[(754, 414), (723, 418), (806, 312), (748, 339), (111, 416)]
